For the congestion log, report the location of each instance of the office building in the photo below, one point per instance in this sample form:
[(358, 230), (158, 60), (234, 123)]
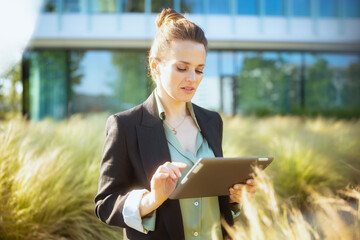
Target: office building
[(265, 56)]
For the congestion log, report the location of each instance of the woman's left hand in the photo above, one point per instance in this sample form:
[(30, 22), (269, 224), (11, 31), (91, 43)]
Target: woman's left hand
[(235, 191)]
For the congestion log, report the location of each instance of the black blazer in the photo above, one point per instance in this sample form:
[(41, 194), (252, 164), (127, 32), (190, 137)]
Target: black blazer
[(134, 148)]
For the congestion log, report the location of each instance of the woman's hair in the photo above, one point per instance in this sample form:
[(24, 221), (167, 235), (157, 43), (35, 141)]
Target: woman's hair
[(174, 26)]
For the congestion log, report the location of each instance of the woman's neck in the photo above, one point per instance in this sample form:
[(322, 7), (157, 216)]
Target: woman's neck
[(173, 108)]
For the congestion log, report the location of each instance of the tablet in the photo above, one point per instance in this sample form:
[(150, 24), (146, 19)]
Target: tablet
[(214, 176)]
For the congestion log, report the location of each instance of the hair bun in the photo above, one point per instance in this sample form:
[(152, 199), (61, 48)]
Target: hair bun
[(167, 16)]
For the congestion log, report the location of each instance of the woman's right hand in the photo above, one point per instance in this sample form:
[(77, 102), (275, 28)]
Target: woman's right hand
[(164, 180), (162, 184)]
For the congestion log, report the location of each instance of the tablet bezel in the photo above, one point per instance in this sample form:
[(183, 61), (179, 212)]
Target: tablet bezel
[(213, 176)]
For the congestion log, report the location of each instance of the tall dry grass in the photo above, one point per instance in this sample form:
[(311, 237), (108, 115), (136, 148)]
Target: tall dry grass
[(309, 152), (329, 216), (49, 174), (48, 179)]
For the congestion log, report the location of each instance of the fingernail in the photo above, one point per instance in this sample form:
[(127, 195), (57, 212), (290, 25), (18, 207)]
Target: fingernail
[(250, 181), (237, 186)]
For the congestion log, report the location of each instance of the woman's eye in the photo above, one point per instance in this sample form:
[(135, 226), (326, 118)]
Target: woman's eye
[(181, 69), (198, 71)]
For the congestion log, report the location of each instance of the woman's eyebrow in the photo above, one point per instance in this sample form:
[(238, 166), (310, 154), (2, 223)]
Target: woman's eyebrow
[(200, 65)]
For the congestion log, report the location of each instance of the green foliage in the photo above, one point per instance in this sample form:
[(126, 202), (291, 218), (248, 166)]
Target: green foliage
[(130, 89), (268, 84), (10, 102)]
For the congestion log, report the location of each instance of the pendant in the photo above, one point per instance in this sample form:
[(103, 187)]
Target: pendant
[(174, 131)]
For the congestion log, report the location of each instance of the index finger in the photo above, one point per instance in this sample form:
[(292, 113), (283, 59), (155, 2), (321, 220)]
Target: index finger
[(251, 182), (179, 165)]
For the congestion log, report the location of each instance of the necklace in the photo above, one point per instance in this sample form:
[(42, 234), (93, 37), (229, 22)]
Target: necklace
[(174, 128)]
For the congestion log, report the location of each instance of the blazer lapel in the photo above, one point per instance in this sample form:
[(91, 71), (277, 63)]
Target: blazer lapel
[(154, 151), (153, 147)]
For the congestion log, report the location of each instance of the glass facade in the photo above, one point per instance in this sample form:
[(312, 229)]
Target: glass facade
[(299, 8), (352, 8), (133, 6), (119, 83), (333, 81), (71, 6), (248, 7), (48, 85), (158, 5), (329, 8), (49, 6), (274, 7), (192, 6), (218, 7), (66, 82)]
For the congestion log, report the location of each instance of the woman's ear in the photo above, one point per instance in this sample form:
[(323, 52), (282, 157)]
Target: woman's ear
[(154, 66)]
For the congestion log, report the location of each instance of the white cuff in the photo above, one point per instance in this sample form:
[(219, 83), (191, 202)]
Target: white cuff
[(131, 211)]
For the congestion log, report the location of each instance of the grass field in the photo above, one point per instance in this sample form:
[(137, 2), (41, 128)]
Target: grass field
[(49, 172)]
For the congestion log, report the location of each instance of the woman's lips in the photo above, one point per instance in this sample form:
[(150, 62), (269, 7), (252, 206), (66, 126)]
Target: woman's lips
[(188, 89)]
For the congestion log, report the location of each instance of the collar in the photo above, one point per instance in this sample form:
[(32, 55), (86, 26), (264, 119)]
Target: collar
[(162, 114)]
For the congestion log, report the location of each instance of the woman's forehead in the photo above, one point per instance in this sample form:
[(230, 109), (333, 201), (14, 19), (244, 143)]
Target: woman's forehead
[(188, 52)]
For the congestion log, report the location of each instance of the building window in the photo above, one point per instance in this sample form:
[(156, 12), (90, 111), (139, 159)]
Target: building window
[(65, 82), (328, 8), (192, 6), (352, 8), (208, 92), (104, 6), (49, 6), (48, 85), (301, 8), (118, 83), (274, 7), (248, 7), (71, 6), (158, 5), (133, 5), (333, 82), (219, 6), (263, 84)]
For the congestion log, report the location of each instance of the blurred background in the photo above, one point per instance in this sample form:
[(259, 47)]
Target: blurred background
[(265, 57), (284, 74)]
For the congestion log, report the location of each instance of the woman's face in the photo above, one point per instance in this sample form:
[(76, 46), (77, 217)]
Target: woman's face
[(181, 72)]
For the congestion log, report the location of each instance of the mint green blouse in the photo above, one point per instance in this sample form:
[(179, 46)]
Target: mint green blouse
[(201, 216)]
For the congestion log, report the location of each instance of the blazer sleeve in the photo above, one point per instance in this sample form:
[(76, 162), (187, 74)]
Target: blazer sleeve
[(116, 174)]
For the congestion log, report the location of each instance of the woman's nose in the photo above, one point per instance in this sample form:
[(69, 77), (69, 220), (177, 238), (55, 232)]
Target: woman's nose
[(191, 75)]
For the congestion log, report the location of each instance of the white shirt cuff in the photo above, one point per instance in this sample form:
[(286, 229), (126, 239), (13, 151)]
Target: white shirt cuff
[(131, 211)]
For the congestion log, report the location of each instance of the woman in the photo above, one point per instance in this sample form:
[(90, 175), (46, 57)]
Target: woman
[(148, 148)]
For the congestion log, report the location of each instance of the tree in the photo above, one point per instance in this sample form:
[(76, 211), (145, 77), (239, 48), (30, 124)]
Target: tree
[(261, 85), (11, 100)]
